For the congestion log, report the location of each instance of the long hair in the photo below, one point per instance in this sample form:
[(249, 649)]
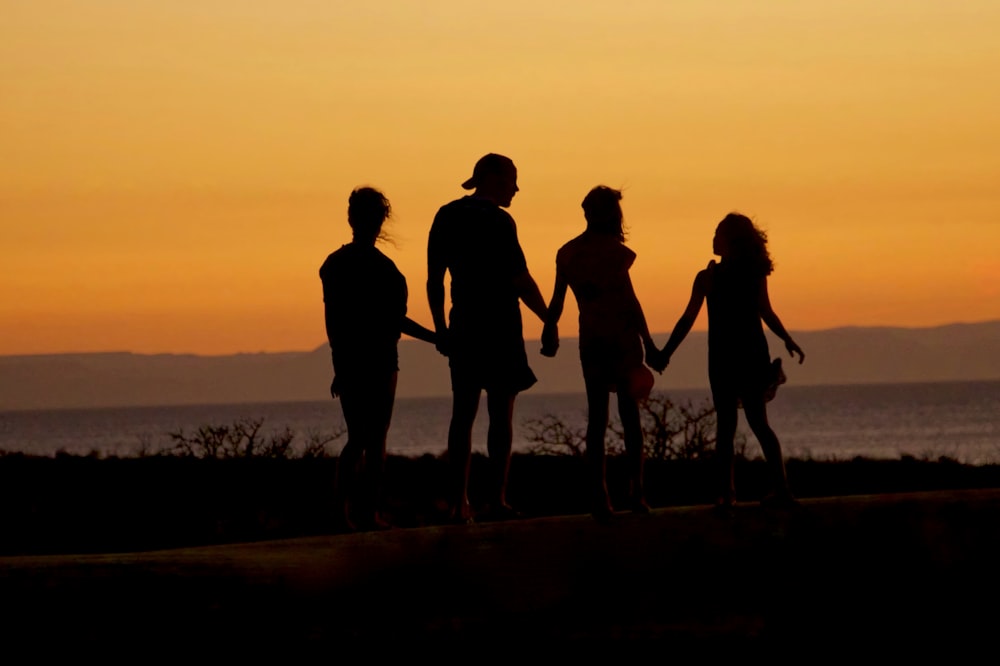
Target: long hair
[(745, 243), (367, 210), (603, 212)]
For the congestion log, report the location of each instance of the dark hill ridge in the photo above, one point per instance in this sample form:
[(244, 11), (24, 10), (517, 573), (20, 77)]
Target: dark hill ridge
[(849, 355)]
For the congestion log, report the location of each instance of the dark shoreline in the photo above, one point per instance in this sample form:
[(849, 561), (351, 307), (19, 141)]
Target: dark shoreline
[(73, 504)]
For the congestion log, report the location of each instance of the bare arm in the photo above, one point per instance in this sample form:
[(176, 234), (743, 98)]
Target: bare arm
[(686, 321), (436, 268), (640, 316), (415, 330), (528, 292), (774, 323), (649, 347), (550, 333)]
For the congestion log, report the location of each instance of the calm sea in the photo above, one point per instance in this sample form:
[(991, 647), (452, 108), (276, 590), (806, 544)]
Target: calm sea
[(960, 420)]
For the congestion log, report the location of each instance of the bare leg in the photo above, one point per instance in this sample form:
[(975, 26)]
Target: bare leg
[(597, 425), (344, 485), (756, 413), (725, 421), (499, 440), (382, 399), (465, 404), (628, 412), (367, 412), (351, 456)]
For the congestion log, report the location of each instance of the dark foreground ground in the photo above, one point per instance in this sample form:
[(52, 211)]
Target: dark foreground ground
[(72, 504), (872, 577), (884, 559)]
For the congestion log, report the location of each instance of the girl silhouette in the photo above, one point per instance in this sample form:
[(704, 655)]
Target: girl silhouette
[(364, 297), (740, 370), (613, 337)]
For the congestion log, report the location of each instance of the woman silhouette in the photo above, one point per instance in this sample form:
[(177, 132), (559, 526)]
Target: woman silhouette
[(740, 370), (364, 297), (613, 337)]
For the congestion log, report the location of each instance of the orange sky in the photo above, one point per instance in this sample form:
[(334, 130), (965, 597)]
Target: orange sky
[(173, 174)]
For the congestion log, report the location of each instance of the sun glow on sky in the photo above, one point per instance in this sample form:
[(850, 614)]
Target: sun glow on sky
[(173, 174)]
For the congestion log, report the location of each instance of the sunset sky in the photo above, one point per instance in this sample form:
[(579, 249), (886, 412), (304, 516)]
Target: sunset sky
[(174, 173)]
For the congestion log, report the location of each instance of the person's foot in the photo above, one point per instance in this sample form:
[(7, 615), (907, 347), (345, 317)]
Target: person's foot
[(780, 501), (724, 506), (461, 514), (378, 523), (603, 513), (639, 506), (503, 511)]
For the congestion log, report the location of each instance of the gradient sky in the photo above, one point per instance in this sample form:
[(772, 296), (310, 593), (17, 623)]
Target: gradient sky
[(174, 173)]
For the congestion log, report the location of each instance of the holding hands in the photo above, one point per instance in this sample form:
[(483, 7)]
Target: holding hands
[(655, 358), (550, 339)]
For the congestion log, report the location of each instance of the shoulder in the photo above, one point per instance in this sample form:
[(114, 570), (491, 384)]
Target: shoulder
[(571, 246), (332, 261), (704, 277), (448, 212)]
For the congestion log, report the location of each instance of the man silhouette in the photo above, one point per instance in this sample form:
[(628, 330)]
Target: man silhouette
[(475, 240)]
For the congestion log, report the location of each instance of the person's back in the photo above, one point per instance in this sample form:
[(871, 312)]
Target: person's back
[(477, 241), (735, 330), (596, 268), (365, 298)]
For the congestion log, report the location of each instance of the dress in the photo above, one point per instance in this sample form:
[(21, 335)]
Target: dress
[(364, 297), (596, 266), (739, 362), (476, 241)]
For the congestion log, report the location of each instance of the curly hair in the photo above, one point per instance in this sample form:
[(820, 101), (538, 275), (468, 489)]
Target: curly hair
[(745, 242), (367, 210)]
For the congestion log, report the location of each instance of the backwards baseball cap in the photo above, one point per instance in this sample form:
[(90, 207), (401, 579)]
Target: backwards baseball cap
[(488, 165)]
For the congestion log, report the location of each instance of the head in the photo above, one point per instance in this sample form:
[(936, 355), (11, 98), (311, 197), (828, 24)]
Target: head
[(738, 239), (603, 211), (495, 178), (367, 210)]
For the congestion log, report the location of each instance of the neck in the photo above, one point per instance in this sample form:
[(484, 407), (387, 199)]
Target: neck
[(486, 195)]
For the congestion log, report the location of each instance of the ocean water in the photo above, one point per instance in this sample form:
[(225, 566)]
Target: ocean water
[(960, 420)]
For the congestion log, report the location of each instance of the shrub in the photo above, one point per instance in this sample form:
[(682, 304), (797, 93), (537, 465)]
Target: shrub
[(670, 431), (243, 439)]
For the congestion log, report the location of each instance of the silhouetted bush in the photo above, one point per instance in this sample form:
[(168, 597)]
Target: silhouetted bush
[(670, 431), (243, 439)]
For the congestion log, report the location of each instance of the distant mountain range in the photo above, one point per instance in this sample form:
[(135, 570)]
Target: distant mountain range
[(851, 355)]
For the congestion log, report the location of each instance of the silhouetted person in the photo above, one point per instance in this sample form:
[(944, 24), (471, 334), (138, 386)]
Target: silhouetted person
[(739, 363), (475, 241), (364, 295), (613, 337)]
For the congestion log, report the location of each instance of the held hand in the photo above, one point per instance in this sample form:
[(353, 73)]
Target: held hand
[(655, 358), (794, 349), (550, 340), (441, 342)]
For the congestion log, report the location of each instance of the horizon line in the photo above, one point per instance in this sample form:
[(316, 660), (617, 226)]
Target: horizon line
[(321, 345)]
